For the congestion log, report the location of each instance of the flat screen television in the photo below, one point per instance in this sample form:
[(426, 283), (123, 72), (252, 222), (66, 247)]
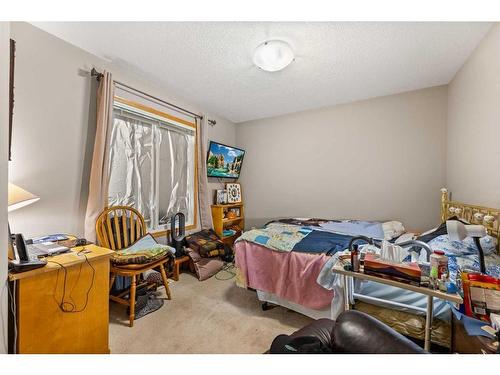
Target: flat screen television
[(224, 161)]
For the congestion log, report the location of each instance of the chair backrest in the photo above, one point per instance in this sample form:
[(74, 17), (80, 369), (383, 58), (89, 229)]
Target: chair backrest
[(119, 227)]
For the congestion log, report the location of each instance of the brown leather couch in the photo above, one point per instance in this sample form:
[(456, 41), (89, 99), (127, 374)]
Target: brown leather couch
[(354, 332)]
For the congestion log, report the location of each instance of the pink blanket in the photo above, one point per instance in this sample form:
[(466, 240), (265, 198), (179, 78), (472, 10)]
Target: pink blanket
[(291, 276)]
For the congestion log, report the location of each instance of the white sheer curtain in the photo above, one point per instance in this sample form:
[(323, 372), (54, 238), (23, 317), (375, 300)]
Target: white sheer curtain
[(152, 166)]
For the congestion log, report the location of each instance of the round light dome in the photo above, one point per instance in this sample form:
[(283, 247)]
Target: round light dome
[(273, 55)]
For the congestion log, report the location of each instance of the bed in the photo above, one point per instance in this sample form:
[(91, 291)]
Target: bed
[(289, 277)]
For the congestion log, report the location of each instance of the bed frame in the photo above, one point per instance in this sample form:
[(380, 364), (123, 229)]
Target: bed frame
[(489, 217), (486, 216)]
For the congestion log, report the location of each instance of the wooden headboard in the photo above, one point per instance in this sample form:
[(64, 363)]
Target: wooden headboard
[(489, 217)]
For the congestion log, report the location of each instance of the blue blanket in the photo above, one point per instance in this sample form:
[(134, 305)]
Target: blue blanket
[(315, 236), (318, 242), (371, 229)]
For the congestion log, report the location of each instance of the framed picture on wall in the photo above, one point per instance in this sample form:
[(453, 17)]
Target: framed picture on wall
[(221, 197), (233, 192)]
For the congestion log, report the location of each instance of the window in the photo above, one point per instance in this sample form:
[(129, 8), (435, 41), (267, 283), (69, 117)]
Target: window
[(153, 164)]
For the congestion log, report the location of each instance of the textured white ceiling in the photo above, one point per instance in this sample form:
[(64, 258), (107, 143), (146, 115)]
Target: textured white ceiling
[(210, 63)]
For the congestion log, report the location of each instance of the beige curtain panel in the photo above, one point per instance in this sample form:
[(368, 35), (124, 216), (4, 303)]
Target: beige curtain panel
[(203, 189), (99, 174)]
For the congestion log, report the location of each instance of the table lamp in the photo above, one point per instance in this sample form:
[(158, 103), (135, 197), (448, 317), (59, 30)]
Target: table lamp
[(458, 231), (17, 198)]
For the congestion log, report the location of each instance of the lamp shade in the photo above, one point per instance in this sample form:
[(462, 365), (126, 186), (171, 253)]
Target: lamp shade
[(18, 197), (458, 231)]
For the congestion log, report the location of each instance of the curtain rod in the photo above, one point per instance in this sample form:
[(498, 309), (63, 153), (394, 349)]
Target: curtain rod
[(98, 75)]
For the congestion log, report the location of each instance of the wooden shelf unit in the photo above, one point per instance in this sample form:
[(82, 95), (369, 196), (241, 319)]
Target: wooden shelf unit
[(221, 222)]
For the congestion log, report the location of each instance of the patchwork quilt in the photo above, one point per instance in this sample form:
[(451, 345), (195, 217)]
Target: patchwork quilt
[(276, 236)]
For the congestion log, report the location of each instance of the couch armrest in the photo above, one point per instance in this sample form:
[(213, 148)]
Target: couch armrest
[(321, 328), (357, 332)]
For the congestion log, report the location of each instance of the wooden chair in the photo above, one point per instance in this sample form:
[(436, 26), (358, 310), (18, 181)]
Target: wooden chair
[(119, 227)]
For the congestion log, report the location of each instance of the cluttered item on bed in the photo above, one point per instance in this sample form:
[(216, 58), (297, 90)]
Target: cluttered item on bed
[(391, 261), (408, 273), (267, 257)]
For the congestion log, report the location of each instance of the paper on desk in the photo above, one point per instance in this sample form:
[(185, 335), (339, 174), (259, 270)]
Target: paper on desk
[(472, 326)]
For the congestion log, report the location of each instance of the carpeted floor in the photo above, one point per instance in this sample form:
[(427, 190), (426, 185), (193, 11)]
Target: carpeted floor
[(209, 316)]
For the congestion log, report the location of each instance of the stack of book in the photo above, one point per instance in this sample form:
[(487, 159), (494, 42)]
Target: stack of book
[(408, 273)]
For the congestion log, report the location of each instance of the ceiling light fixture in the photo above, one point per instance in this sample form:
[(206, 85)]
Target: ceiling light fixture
[(273, 55)]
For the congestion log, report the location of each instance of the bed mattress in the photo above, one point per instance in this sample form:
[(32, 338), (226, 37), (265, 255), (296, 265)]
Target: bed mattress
[(291, 278), (409, 324), (441, 309), (284, 269)]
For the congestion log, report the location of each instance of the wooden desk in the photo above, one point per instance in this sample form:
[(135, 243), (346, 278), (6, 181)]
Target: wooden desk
[(42, 326), (338, 268)]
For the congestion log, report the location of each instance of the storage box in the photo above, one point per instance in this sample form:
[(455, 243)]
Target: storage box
[(481, 295)]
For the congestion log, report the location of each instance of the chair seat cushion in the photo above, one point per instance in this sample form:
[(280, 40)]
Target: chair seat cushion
[(145, 250), (137, 266)]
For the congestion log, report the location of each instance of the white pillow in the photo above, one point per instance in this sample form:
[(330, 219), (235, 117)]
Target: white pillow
[(392, 229)]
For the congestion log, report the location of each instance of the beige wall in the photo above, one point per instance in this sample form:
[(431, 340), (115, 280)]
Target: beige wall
[(386, 154), (4, 122), (381, 158), (473, 158), (54, 125)]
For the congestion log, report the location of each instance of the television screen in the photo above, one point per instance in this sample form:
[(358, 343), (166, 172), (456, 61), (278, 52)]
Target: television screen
[(224, 161)]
